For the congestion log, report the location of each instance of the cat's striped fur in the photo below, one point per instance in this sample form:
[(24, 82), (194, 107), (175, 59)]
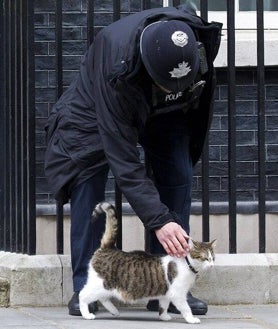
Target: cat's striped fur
[(134, 276)]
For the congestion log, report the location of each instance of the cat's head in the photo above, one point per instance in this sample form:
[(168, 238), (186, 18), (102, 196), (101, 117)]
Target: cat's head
[(202, 254)]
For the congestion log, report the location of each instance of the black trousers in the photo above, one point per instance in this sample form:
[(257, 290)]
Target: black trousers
[(84, 235)]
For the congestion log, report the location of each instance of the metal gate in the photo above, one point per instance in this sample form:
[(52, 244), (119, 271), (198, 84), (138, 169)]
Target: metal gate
[(17, 123), (17, 128)]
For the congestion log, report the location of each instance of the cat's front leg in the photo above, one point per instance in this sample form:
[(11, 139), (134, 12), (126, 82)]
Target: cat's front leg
[(84, 300), (186, 312), (192, 319), (84, 309)]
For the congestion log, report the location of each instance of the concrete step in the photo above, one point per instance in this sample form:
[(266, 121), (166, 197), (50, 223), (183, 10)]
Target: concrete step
[(45, 280)]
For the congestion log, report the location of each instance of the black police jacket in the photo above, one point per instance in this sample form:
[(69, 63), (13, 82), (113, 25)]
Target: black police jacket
[(95, 120)]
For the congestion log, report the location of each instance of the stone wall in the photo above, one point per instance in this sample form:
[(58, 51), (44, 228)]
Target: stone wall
[(46, 280)]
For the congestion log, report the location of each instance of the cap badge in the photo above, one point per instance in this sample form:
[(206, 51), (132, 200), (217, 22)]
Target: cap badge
[(181, 71), (180, 38)]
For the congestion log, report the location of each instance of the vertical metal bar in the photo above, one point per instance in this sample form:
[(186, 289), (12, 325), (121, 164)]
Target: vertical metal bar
[(176, 3), (6, 186), (8, 155), (29, 126), (59, 48), (116, 10), (60, 228), (204, 9), (261, 123), (27, 164), (90, 22), (8, 223), (22, 106), (118, 193), (19, 129), (59, 91), (2, 122), (150, 175), (118, 205), (231, 126), (146, 4), (205, 162), (11, 128), (19, 217)]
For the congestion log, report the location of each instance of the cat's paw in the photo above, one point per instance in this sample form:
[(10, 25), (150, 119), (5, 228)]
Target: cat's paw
[(89, 316), (192, 319), (165, 317), (115, 313)]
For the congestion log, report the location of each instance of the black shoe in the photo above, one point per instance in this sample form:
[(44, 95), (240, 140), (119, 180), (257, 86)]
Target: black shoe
[(197, 306), (73, 305)]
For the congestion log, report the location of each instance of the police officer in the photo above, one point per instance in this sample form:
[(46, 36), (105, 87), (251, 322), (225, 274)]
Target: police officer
[(149, 79)]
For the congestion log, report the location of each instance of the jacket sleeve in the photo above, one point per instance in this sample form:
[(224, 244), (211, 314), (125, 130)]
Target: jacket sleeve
[(115, 117)]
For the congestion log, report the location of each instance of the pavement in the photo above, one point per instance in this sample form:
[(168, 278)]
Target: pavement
[(218, 317)]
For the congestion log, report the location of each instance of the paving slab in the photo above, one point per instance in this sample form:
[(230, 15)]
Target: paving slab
[(218, 317)]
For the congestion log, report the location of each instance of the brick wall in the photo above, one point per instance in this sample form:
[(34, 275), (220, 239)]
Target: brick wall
[(74, 45), (246, 138)]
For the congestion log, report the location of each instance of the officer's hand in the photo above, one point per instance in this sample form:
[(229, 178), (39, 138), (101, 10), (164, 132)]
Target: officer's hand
[(173, 239)]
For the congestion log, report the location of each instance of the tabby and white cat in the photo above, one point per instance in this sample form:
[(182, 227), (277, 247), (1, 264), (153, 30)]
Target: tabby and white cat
[(134, 276)]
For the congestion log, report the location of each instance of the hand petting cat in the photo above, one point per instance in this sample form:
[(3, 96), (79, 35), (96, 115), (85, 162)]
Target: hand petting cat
[(173, 239)]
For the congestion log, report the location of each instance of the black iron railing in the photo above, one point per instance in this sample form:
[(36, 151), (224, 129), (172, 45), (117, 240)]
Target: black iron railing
[(17, 123), (231, 124), (17, 127), (231, 121), (261, 124)]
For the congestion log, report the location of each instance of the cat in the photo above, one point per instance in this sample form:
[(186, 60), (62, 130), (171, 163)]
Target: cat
[(139, 276)]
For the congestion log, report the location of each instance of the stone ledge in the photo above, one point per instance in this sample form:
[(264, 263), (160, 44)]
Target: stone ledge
[(215, 208), (236, 278), (240, 279), (34, 280)]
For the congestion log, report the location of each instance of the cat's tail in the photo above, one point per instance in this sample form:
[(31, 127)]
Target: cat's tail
[(109, 237)]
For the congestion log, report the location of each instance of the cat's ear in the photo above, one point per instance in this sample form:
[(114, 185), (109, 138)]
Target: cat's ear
[(213, 243), (191, 243)]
